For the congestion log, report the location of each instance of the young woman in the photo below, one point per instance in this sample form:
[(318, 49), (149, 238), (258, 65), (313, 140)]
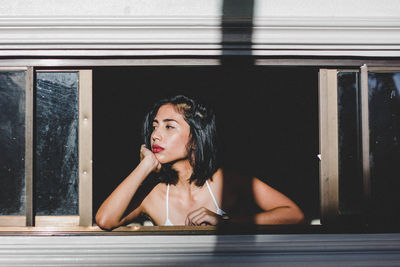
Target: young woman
[(178, 182)]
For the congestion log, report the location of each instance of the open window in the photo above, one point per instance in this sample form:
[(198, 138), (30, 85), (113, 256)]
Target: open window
[(329, 143), (247, 100), (267, 122)]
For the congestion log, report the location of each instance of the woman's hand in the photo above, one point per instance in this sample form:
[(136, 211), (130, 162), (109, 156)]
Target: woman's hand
[(149, 157), (202, 216)]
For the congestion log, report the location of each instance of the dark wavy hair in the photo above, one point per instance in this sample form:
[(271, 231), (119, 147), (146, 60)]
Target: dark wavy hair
[(202, 147)]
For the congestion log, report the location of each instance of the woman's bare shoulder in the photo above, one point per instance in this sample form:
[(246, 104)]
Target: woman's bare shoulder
[(232, 180), (233, 176), (221, 176)]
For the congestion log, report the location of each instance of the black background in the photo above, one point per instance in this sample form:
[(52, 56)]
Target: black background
[(267, 122)]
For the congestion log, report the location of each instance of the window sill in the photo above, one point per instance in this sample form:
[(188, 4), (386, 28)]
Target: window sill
[(195, 230)]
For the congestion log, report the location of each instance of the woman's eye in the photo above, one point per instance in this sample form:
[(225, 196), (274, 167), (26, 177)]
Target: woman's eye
[(169, 127)]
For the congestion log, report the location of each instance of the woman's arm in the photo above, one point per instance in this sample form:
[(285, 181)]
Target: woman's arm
[(278, 208), (110, 213)]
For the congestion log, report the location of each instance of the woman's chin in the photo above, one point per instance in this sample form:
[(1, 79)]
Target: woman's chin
[(161, 159), (164, 160)]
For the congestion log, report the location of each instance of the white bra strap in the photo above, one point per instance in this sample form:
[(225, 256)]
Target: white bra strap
[(219, 211), (167, 202)]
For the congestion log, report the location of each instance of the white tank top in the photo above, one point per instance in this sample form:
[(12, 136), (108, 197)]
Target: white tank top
[(169, 223)]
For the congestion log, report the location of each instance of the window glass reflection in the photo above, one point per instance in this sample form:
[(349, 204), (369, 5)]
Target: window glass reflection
[(12, 142), (57, 143), (350, 161), (384, 123)]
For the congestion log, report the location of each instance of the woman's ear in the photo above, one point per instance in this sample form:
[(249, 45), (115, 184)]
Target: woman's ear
[(193, 145)]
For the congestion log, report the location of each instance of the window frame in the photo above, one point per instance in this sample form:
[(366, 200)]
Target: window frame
[(84, 217), (329, 147), (329, 184), (365, 69), (25, 220)]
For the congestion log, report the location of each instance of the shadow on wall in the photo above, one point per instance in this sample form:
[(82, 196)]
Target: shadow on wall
[(237, 31)]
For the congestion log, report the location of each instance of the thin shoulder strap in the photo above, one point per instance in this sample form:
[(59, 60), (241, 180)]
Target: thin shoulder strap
[(167, 221), (219, 211), (167, 212)]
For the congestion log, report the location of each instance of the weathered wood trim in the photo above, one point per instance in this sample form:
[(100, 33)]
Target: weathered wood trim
[(328, 145), (365, 135), (85, 148), (29, 118)]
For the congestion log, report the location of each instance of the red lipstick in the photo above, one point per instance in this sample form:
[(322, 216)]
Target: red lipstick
[(157, 148)]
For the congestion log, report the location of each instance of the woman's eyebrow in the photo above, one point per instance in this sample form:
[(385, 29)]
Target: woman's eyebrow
[(166, 120)]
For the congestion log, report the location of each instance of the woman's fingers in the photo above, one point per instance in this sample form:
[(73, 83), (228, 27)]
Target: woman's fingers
[(192, 215), (144, 151), (142, 147), (202, 216), (147, 153), (198, 219)]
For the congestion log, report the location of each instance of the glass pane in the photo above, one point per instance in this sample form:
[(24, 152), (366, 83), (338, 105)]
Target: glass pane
[(384, 120), (12, 142), (57, 143), (350, 161)]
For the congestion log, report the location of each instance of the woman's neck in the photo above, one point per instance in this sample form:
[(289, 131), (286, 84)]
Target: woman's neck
[(185, 171)]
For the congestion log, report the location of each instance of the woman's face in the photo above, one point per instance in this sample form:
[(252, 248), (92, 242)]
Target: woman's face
[(170, 136)]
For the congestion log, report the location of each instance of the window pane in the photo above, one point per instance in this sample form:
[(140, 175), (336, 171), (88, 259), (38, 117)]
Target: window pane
[(384, 120), (350, 161), (57, 143), (12, 142)]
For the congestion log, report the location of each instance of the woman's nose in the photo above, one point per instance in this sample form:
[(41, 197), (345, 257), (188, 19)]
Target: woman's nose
[(156, 135)]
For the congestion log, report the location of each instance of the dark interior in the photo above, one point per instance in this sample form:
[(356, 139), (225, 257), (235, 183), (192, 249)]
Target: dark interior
[(267, 122)]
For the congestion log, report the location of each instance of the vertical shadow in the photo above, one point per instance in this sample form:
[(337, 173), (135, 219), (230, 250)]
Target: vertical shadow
[(237, 32), (236, 44)]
